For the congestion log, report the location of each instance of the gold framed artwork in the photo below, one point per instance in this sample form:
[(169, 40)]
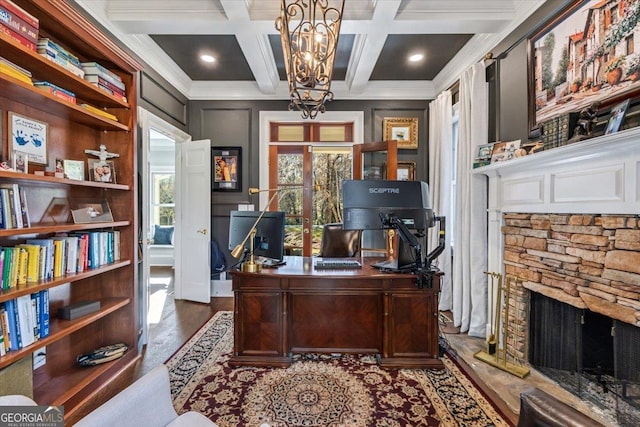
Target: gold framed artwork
[(401, 129), (406, 171)]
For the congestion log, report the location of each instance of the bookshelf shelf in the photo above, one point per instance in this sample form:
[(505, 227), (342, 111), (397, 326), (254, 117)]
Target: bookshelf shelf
[(23, 177), (62, 328), (27, 94), (31, 288), (60, 228), (43, 69), (72, 129)]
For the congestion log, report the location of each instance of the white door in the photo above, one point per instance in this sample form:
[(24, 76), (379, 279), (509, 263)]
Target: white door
[(193, 221)]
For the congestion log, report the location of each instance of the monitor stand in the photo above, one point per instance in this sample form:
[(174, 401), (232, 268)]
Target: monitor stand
[(404, 261)]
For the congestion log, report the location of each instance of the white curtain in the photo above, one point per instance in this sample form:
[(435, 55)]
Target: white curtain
[(440, 169), (470, 236)]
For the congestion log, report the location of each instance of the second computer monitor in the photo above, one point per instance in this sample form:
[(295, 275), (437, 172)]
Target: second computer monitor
[(365, 200), (269, 238)]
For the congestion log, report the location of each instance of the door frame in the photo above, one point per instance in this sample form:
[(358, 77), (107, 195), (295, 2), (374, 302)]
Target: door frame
[(146, 121), (266, 117)]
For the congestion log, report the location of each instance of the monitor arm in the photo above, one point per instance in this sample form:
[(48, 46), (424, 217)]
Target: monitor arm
[(392, 221), (441, 242)]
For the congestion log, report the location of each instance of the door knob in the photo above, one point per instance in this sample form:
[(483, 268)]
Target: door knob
[(203, 231)]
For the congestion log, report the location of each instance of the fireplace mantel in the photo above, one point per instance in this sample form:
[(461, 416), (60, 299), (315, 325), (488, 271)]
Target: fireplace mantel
[(599, 175)]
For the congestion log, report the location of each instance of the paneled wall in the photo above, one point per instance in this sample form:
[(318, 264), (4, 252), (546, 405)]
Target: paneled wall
[(237, 124)]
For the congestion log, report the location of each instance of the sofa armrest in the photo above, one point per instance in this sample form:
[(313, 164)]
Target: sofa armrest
[(146, 402), (538, 409)]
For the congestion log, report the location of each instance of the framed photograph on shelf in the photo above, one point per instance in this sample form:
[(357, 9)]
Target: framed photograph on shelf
[(73, 169), (226, 164), (86, 211), (57, 211), (401, 129), (28, 136), (616, 117), (598, 71), (101, 171), (20, 161), (406, 171)]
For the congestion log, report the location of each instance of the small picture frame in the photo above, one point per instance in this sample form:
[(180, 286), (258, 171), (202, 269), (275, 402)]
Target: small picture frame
[(226, 168), (484, 152), (28, 136), (401, 129), (616, 117), (87, 211), (101, 171), (406, 171), (73, 169), (20, 161)]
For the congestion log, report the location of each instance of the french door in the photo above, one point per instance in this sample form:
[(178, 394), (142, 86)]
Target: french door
[(309, 178)]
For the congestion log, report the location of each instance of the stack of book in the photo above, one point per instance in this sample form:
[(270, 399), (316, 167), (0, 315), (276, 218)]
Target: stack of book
[(104, 79), (23, 321), (61, 56), (557, 131), (56, 91), (14, 212), (17, 72), (18, 24)]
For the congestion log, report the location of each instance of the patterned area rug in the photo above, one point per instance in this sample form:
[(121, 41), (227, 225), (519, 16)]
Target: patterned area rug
[(318, 390)]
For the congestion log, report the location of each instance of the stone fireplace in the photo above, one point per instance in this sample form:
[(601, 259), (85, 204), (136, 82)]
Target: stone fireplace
[(566, 223)]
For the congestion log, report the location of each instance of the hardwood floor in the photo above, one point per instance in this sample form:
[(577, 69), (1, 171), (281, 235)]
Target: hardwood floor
[(172, 322)]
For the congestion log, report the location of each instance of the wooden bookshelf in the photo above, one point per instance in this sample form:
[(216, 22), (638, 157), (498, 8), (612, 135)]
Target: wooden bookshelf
[(71, 130)]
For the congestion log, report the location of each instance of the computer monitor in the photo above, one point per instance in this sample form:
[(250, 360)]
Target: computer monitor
[(365, 200), (269, 238)]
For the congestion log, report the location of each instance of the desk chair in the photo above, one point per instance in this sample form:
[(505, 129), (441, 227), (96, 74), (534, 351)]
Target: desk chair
[(338, 242)]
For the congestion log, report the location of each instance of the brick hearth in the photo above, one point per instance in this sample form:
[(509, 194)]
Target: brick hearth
[(588, 261)]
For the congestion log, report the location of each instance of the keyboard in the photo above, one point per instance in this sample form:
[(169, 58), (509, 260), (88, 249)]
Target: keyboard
[(337, 264)]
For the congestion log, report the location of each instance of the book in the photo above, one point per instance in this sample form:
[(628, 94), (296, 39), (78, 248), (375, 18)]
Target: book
[(12, 72), (5, 330), (116, 87), (23, 266), (35, 308), (18, 11), (33, 261), (3, 350), (97, 69), (25, 319), (16, 37), (24, 207), (59, 266), (99, 112), (15, 22), (47, 244), (48, 44), (44, 313), (15, 341), (56, 91), (14, 203)]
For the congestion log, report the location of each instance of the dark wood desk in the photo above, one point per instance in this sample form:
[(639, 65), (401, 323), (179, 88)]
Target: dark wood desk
[(296, 308)]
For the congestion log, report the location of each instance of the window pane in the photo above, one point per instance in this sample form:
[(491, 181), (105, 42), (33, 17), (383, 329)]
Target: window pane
[(163, 185)]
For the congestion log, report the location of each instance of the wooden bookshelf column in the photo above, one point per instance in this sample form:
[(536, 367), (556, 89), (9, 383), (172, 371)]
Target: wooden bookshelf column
[(72, 129)]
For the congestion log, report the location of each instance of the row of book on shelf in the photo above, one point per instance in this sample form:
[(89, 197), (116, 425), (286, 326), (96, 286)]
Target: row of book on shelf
[(23, 28), (14, 212), (44, 259), (24, 320)]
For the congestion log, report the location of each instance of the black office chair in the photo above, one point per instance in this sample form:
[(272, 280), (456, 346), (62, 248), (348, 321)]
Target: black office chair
[(338, 242)]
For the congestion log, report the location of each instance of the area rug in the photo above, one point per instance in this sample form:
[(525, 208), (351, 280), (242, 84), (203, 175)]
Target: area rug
[(319, 390)]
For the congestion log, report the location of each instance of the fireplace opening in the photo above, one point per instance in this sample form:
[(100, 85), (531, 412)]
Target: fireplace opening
[(589, 354)]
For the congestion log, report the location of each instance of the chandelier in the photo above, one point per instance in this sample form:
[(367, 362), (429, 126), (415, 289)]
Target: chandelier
[(309, 30)]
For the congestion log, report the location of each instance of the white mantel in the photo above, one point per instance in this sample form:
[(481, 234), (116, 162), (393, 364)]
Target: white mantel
[(599, 175)]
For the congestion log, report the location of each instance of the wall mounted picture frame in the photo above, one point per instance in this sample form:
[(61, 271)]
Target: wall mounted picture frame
[(401, 129), (101, 172), (28, 136), (226, 168), (406, 171), (573, 62), (616, 117)]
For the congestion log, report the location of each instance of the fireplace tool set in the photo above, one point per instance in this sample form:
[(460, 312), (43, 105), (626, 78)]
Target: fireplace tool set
[(497, 351)]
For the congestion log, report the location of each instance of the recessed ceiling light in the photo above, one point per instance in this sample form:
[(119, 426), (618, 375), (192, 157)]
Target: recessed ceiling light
[(416, 57), (207, 58)]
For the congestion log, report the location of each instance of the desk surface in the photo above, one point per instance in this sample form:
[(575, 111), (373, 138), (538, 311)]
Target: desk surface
[(305, 266)]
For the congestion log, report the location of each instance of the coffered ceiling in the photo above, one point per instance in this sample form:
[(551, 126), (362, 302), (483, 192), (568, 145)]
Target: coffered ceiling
[(377, 36)]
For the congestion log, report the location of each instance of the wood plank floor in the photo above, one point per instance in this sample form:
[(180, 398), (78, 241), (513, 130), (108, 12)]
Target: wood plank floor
[(174, 322)]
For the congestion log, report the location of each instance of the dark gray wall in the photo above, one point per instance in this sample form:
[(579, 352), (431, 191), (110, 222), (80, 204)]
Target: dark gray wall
[(237, 123)]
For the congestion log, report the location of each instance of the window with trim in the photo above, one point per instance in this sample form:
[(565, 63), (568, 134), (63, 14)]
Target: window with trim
[(163, 202)]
